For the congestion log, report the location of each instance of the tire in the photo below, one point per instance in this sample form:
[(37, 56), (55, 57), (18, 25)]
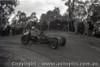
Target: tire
[(25, 39), (54, 43), (62, 41)]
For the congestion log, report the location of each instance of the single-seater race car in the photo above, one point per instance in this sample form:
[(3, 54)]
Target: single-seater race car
[(42, 39)]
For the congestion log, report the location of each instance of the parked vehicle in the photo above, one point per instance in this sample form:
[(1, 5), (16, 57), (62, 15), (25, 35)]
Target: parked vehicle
[(43, 39)]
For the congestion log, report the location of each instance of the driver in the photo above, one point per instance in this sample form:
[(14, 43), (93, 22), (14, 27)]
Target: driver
[(31, 25), (35, 31)]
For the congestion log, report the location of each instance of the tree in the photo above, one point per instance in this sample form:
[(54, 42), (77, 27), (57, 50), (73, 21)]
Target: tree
[(43, 23), (43, 18), (19, 19), (95, 9), (77, 12), (70, 4), (6, 9), (88, 9), (80, 11), (19, 22), (50, 16), (80, 15)]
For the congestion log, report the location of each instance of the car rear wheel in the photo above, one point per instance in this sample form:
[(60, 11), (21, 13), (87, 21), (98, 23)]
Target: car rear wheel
[(54, 43), (62, 41)]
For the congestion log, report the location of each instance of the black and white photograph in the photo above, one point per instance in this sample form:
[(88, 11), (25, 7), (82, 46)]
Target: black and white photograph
[(49, 33)]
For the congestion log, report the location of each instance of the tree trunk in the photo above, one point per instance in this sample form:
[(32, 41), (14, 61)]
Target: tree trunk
[(76, 26), (86, 32)]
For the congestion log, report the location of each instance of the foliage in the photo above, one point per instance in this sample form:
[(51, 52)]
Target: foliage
[(7, 8), (51, 15), (19, 20), (96, 12)]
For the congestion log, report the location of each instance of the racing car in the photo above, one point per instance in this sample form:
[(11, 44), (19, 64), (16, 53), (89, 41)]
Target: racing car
[(43, 39)]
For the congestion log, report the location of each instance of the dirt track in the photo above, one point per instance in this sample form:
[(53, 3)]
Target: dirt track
[(78, 49)]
